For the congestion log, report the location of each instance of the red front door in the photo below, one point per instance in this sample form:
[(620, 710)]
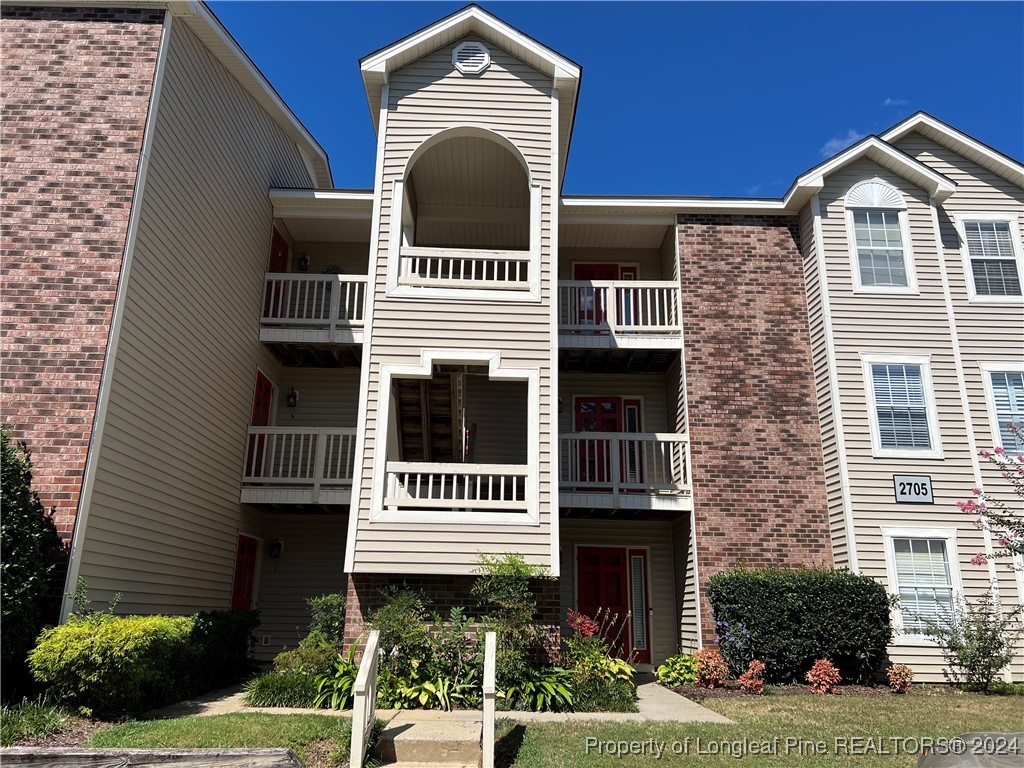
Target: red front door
[(278, 263), (592, 302), (613, 581), (608, 414), (245, 574), (262, 407)]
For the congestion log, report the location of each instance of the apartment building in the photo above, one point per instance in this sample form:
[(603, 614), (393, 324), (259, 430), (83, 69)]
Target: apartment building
[(268, 388)]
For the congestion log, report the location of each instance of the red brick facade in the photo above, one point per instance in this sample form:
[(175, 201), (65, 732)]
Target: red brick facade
[(755, 440), (76, 87), (443, 593)]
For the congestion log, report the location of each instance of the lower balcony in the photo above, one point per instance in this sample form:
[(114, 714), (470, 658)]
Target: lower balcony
[(624, 471), (492, 489), (301, 308), (298, 466), (625, 314)]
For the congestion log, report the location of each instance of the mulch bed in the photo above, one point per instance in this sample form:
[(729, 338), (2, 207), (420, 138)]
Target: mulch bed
[(732, 690), (76, 733)]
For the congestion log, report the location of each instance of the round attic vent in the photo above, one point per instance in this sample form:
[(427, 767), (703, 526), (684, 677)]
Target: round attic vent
[(471, 57)]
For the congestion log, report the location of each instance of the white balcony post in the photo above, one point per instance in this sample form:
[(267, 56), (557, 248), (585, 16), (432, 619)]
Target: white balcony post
[(490, 695), (610, 298), (615, 474), (320, 454), (333, 312)]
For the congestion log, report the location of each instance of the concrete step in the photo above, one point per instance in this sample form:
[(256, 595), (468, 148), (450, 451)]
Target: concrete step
[(428, 738)]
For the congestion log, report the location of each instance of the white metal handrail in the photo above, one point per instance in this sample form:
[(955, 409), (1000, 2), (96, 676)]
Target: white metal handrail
[(312, 457), (314, 301), (364, 701), (464, 268), (425, 485), (619, 306), (490, 692), (625, 462)]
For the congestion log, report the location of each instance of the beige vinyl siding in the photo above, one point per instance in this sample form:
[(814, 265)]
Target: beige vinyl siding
[(164, 514), (684, 563), (425, 97), (497, 412), (657, 538), (311, 564), (328, 397), (822, 381), (345, 258), (898, 325), (987, 332)]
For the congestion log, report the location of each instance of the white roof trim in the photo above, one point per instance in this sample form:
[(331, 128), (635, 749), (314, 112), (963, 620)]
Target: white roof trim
[(998, 163), (560, 66), (673, 203)]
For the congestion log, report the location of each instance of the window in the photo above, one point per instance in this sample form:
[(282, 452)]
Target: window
[(991, 255), (879, 243), (1008, 401), (901, 408), (877, 228), (924, 582)]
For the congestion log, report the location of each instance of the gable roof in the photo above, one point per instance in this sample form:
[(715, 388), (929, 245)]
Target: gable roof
[(376, 67), (958, 141)]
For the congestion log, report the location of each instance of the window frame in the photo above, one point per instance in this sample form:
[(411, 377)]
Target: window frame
[(953, 561), (859, 288), (987, 369), (960, 220), (931, 410)]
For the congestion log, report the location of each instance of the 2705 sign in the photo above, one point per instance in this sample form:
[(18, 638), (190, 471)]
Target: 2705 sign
[(913, 489)]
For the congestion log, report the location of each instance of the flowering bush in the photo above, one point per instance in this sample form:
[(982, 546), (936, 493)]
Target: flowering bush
[(900, 678), (1005, 523), (751, 680), (735, 643), (712, 671), (824, 677), (582, 624)]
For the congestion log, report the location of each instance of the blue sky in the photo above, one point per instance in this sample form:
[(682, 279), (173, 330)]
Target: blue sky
[(722, 99)]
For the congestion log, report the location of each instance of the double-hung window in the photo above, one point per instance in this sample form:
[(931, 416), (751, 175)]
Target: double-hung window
[(1006, 404), (876, 223), (922, 568), (901, 409), (992, 257)]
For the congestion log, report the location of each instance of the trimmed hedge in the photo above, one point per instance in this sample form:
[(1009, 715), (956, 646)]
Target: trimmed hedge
[(125, 664), (795, 617), (281, 689)]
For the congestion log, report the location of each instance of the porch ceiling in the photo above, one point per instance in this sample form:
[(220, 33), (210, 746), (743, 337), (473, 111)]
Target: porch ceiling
[(318, 356), (616, 360)]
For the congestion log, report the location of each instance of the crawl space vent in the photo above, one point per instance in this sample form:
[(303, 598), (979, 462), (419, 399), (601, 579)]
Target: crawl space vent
[(471, 58)]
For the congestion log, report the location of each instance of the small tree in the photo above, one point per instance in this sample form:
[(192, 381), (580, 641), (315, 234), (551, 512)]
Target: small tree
[(1006, 523)]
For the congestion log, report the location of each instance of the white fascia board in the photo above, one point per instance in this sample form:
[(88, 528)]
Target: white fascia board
[(580, 206), (322, 195), (960, 142)]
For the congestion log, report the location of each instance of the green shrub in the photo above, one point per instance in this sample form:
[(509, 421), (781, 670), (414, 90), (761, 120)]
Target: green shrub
[(313, 657), (327, 614), (336, 688), (542, 689), (30, 719), (602, 695), (281, 689), (29, 545), (114, 664), (403, 628), (680, 669), (221, 645), (794, 617)]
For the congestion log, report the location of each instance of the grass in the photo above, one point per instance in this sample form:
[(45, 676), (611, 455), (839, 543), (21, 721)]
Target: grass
[(35, 719), (817, 722), (321, 739)]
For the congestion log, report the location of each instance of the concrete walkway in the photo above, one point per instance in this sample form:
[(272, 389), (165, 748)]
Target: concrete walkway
[(655, 704)]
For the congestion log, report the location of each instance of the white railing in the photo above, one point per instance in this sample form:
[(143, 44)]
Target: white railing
[(288, 456), (364, 702), (314, 301), (422, 485), (464, 268), (631, 462), (618, 307), (490, 691)]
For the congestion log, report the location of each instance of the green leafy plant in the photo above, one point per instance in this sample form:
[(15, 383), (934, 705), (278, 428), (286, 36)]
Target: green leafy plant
[(404, 634), (313, 657), (823, 677), (281, 689), (680, 669), (336, 688), (543, 689), (30, 719), (83, 603), (814, 614), (977, 640), (220, 649), (603, 695), (327, 614)]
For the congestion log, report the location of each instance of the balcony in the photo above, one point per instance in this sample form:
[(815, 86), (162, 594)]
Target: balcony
[(417, 485), (299, 308), (311, 466), (624, 470), (627, 314), (482, 269)]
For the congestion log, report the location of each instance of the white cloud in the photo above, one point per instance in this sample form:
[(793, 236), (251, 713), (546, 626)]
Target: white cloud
[(891, 102), (837, 143)]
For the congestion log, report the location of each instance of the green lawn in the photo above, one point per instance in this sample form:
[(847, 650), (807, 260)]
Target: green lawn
[(815, 723), (314, 738)]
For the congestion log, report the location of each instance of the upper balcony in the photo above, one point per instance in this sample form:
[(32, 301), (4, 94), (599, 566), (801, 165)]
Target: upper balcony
[(626, 314), (313, 309)]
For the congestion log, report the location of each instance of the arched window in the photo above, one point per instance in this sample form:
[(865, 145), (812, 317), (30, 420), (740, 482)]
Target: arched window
[(879, 236)]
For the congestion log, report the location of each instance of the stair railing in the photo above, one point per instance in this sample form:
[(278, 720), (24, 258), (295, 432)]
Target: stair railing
[(490, 694), (364, 704)]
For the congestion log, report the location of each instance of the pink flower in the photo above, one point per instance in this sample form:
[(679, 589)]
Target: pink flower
[(978, 520), (1020, 459), (1000, 451), (979, 559), (977, 491), (985, 454), (1004, 542)]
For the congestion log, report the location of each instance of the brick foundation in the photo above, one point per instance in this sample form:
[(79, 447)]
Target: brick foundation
[(755, 441), (443, 593), (76, 85)]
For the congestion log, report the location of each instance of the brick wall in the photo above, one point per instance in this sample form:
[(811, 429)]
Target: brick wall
[(76, 85), (443, 593), (755, 441)]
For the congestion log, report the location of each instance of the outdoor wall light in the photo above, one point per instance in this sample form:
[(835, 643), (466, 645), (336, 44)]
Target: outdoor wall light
[(292, 398), (303, 263), (276, 548)]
